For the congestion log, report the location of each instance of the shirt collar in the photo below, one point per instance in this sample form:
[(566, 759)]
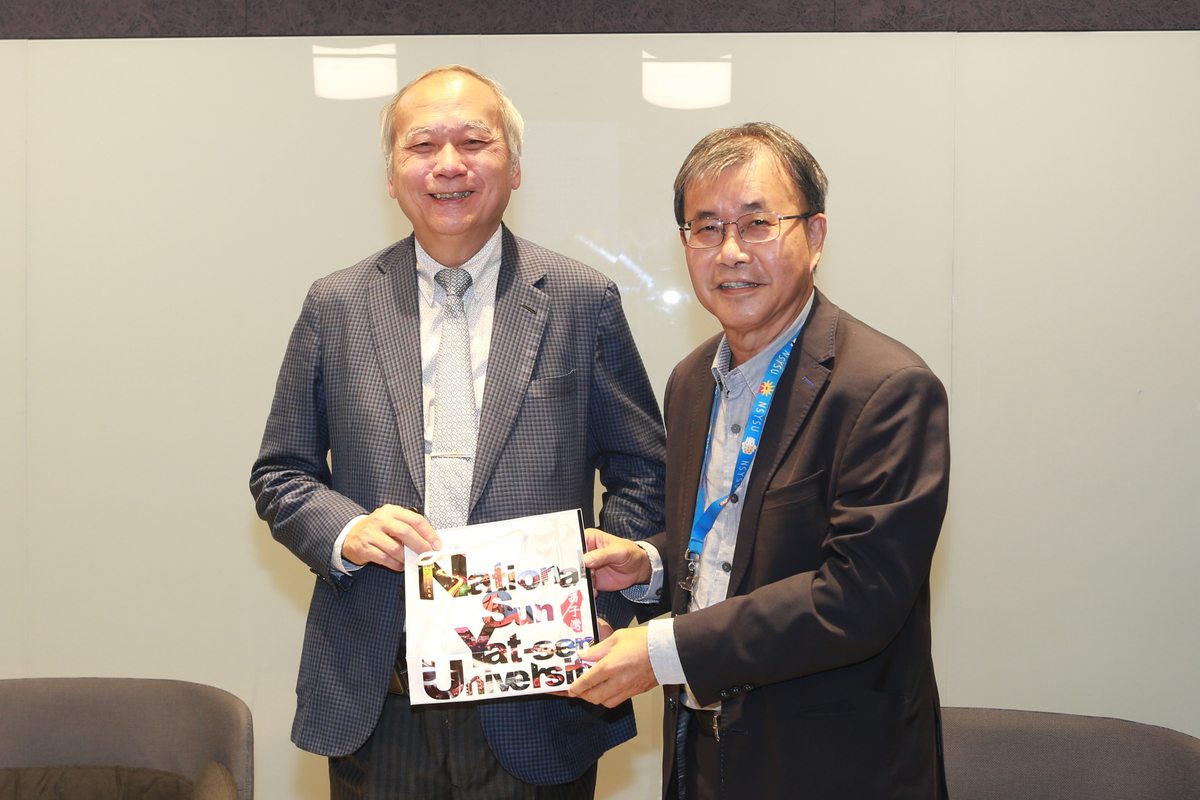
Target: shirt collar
[(484, 267), (749, 374)]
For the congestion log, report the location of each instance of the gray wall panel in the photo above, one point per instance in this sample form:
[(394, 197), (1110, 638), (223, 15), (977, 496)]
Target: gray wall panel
[(1076, 415), (14, 546), (1018, 208)]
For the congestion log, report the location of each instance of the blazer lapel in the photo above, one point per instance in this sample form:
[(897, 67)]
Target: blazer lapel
[(798, 388), (695, 401), (396, 328), (520, 319)]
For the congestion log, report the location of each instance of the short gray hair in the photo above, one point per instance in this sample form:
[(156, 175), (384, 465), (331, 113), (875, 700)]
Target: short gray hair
[(510, 118), (727, 147)]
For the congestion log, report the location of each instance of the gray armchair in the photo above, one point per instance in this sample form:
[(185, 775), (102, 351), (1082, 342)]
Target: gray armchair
[(994, 754), (136, 725)]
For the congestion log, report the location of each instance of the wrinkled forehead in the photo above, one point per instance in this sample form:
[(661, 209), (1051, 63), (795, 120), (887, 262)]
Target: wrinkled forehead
[(443, 128), (447, 103)]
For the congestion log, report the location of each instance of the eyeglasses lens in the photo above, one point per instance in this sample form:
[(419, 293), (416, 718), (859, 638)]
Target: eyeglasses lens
[(753, 228)]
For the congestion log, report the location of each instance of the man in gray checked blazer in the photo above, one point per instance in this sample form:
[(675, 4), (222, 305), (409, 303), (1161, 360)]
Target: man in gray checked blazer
[(561, 392)]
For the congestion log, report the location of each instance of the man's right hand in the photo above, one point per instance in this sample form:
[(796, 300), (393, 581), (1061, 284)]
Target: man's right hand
[(616, 563), (382, 536)]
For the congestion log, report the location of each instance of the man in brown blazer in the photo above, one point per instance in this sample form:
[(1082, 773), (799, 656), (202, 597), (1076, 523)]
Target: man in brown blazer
[(807, 474)]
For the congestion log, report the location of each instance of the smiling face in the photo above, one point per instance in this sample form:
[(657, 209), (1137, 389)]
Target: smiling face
[(754, 290), (450, 170)]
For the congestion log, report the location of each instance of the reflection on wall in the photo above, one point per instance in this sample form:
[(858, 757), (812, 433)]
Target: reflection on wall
[(687, 84), (643, 287), (354, 73)]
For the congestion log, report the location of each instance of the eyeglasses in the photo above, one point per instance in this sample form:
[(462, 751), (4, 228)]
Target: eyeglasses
[(761, 226)]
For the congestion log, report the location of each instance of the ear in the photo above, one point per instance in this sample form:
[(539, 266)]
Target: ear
[(391, 182), (516, 175), (815, 231)]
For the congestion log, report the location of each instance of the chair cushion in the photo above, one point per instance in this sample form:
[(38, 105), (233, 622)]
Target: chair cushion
[(214, 783), (92, 783)]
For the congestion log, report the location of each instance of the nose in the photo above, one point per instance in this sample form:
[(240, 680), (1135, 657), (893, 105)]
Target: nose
[(449, 161), (731, 250)]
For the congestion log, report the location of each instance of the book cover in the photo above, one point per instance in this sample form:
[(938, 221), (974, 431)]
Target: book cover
[(502, 610)]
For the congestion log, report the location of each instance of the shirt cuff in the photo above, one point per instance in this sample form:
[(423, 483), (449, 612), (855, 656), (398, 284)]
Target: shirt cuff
[(336, 561), (664, 654), (648, 592)]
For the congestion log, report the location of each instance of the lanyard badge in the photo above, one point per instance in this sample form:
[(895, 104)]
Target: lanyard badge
[(705, 518), (689, 581)]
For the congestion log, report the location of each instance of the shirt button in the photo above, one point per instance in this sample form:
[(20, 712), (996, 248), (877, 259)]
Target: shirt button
[(735, 427), (725, 565), (658, 592), (733, 498)]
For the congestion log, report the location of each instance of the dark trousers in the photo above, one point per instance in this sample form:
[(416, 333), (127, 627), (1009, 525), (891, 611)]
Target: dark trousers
[(701, 756), (436, 753)]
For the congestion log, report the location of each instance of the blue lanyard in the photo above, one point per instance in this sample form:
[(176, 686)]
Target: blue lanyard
[(705, 518)]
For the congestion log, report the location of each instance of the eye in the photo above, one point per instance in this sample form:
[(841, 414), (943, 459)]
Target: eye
[(756, 221)]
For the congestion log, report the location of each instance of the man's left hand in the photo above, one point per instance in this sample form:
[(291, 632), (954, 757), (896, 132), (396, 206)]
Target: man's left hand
[(622, 669), (616, 563)]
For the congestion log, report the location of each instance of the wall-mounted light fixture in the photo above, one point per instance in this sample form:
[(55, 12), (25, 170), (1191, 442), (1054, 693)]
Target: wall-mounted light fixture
[(354, 73), (687, 84)]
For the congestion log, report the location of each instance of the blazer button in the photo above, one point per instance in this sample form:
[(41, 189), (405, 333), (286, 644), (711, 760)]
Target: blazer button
[(747, 688), (723, 694)]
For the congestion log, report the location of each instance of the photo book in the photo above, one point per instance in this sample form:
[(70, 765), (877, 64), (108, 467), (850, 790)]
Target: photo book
[(502, 610)]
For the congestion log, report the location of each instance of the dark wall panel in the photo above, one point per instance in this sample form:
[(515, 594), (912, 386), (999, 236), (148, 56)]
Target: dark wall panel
[(120, 19), (70, 19)]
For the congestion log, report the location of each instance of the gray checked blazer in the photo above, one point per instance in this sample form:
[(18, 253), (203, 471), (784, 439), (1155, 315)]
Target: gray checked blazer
[(566, 394)]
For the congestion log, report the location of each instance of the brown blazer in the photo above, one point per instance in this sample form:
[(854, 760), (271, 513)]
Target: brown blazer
[(820, 654)]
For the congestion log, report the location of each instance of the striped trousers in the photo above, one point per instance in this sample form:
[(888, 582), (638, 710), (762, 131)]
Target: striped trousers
[(436, 752)]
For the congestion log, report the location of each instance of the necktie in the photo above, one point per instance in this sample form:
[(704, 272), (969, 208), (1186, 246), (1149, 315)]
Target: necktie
[(448, 487)]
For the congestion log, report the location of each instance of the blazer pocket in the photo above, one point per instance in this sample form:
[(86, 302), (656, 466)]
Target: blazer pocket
[(871, 703), (552, 387), (798, 492)]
